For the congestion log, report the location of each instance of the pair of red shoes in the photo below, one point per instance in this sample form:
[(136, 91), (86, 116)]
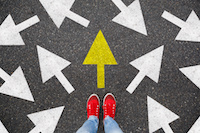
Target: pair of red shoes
[(109, 106)]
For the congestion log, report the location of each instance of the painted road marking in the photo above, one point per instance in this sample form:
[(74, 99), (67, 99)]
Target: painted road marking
[(131, 16), (148, 65), (192, 73), (2, 128), (59, 9), (46, 121), (10, 33), (15, 85), (196, 127), (190, 30), (159, 116), (100, 55), (52, 65)]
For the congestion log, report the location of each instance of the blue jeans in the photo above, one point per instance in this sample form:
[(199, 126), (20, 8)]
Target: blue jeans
[(91, 125)]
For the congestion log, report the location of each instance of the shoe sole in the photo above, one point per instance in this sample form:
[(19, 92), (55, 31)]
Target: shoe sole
[(107, 95), (92, 96)]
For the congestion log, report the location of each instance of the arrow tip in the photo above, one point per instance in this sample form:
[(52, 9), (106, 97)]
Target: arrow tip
[(192, 73), (2, 128), (132, 18), (190, 32), (158, 115), (46, 121), (8, 22), (17, 86), (150, 63), (9, 35), (50, 63), (195, 127), (100, 52)]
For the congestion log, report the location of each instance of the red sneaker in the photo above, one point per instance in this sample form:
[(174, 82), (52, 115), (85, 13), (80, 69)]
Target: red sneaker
[(93, 105), (109, 106)]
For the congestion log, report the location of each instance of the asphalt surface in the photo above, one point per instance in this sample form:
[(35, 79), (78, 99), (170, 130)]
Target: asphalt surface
[(73, 41)]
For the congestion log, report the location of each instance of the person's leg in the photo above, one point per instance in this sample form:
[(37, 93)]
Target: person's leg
[(90, 126), (109, 108), (111, 126)]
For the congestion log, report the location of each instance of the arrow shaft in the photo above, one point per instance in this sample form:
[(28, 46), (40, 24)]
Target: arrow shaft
[(167, 129), (173, 19), (122, 7), (100, 76), (136, 81), (4, 75), (65, 83), (27, 23), (77, 18)]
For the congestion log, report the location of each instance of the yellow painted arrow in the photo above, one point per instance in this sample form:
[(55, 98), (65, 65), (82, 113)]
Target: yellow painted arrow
[(100, 55)]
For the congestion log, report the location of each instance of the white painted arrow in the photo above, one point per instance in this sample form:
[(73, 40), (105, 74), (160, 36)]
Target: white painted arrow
[(46, 121), (159, 116), (10, 33), (190, 30), (15, 85), (196, 127), (59, 9), (192, 73), (2, 128), (52, 65), (148, 65), (131, 16)]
